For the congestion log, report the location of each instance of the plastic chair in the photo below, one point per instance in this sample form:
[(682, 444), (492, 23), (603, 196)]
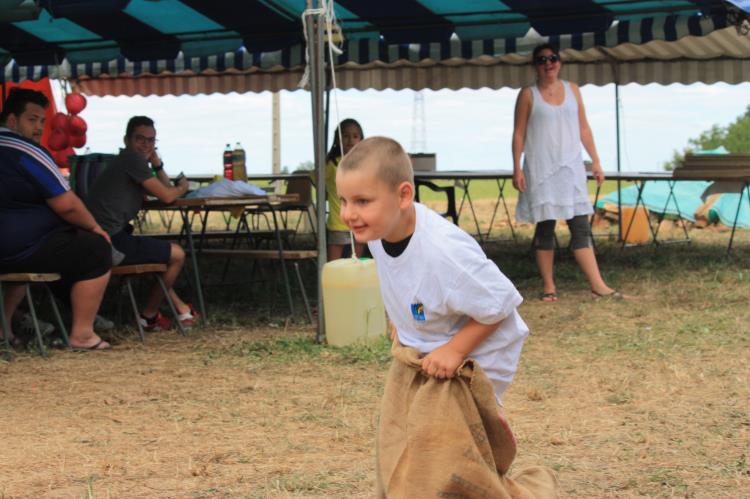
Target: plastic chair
[(85, 169), (450, 193)]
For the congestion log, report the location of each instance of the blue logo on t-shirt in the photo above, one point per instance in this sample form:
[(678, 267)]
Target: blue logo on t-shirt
[(417, 311)]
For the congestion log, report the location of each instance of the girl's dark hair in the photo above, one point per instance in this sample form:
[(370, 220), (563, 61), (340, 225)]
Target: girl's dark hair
[(335, 150), (548, 46)]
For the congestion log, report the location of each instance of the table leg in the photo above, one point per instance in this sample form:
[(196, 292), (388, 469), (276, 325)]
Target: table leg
[(672, 184), (507, 212), (467, 196), (596, 200), (638, 202), (204, 225), (745, 187), (494, 210), (287, 286), (170, 218), (648, 219), (186, 221), (593, 215), (463, 186)]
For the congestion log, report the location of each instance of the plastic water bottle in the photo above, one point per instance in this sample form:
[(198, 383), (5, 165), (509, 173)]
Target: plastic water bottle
[(238, 163), (228, 170)]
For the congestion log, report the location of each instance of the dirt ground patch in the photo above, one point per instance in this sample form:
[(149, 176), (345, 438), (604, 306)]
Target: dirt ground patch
[(183, 418), (618, 411), (649, 398)]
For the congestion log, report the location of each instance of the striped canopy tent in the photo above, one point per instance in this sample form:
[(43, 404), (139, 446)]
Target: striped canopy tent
[(145, 47)]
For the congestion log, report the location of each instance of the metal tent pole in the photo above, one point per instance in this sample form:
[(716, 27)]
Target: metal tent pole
[(314, 27), (327, 118), (276, 135), (617, 131)]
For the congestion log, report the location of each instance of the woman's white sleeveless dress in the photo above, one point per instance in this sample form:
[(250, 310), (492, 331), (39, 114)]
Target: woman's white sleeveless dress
[(553, 162)]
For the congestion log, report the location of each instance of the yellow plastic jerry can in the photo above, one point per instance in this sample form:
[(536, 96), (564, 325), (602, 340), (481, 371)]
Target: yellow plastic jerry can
[(635, 229), (352, 302)]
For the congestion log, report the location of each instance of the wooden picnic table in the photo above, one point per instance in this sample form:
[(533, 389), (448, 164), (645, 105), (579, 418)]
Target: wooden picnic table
[(184, 206)]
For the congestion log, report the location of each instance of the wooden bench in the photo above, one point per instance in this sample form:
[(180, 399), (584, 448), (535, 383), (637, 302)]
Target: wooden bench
[(157, 269), (264, 254), (257, 235), (142, 268), (26, 279), (281, 256), (222, 233)]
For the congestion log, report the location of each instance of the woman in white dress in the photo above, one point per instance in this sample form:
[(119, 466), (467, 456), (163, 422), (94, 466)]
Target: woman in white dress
[(550, 126)]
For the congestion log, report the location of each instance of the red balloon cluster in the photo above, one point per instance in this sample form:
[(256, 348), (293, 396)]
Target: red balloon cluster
[(68, 130)]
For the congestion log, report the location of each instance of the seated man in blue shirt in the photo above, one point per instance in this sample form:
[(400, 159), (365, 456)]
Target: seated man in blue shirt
[(44, 226)]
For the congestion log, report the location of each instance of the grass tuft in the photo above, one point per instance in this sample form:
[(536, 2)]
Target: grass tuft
[(304, 348)]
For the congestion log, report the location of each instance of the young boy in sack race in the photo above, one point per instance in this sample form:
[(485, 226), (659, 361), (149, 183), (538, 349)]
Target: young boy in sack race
[(458, 338)]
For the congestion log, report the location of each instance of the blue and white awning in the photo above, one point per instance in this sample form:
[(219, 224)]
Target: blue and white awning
[(192, 46)]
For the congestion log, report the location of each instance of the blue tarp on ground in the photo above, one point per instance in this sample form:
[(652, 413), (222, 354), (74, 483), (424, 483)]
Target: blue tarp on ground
[(656, 194), (725, 208), (688, 194)]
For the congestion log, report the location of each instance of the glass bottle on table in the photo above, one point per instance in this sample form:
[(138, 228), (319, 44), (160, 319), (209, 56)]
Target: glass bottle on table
[(238, 163), (228, 167)]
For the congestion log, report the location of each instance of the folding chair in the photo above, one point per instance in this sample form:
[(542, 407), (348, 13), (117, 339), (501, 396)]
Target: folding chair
[(157, 269), (28, 279), (450, 193), (302, 187)]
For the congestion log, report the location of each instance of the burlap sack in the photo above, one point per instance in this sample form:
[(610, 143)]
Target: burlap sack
[(445, 438)]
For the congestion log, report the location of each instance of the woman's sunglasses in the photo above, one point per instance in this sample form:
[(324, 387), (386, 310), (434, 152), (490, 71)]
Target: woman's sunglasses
[(542, 59)]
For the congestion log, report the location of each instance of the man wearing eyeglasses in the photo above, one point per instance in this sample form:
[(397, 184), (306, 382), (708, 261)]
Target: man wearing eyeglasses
[(116, 198)]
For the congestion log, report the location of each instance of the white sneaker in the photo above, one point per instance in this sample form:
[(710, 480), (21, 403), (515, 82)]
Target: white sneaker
[(24, 325)]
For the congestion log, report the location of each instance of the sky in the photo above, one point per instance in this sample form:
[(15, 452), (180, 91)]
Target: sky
[(466, 129)]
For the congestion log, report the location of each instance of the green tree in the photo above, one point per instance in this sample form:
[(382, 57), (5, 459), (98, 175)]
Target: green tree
[(305, 165), (735, 137)]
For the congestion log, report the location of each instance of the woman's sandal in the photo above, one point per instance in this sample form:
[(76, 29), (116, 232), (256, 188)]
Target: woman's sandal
[(614, 295), (101, 345), (548, 297)]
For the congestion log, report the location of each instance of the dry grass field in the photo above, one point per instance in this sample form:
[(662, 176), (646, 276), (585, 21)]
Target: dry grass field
[(645, 398)]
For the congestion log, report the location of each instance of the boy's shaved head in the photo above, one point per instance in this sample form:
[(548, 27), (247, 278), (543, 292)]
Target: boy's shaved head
[(392, 164)]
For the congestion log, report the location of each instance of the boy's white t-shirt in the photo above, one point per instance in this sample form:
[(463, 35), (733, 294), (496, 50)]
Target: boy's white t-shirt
[(442, 279)]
